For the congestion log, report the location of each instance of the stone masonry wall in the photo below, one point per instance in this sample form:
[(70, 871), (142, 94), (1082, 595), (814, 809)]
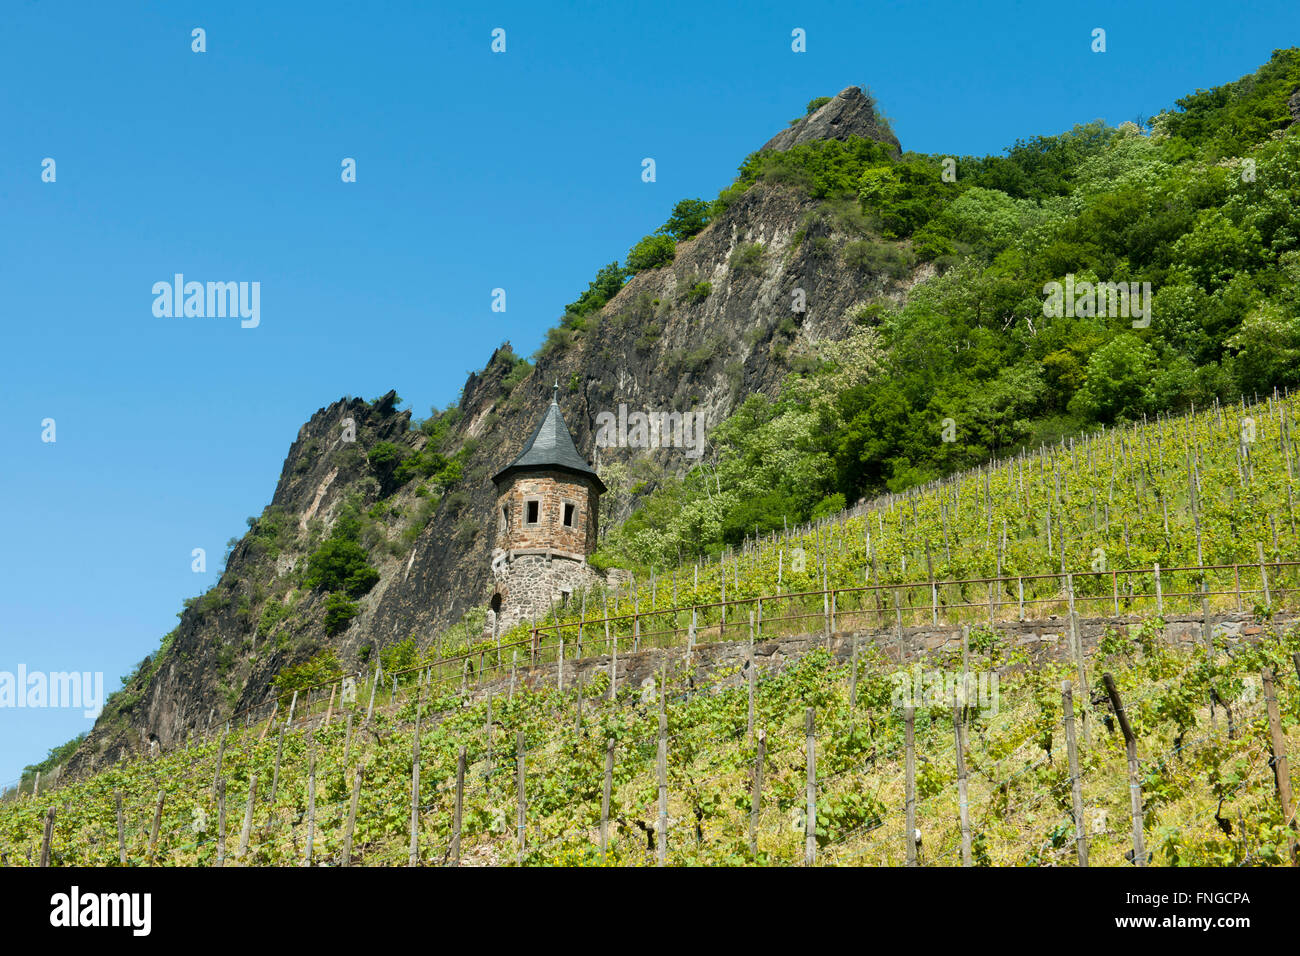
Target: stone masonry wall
[(552, 489), (1044, 640), (530, 583)]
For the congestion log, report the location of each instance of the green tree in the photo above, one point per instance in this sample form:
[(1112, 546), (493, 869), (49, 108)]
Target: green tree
[(339, 612), (1267, 349), (340, 564), (689, 217), (1117, 380), (651, 253), (600, 290), (1217, 249)]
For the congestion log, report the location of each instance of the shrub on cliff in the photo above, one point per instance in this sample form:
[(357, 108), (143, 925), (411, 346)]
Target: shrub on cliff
[(651, 253), (688, 218), (340, 564), (339, 612)]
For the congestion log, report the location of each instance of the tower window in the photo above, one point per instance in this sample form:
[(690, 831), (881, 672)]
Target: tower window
[(505, 517), (568, 515), (534, 511)]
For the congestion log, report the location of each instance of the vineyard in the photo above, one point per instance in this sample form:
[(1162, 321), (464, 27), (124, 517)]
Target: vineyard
[(480, 751), (1208, 497), (721, 771)]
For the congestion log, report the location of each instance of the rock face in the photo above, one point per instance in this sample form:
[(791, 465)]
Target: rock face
[(1293, 105), (699, 334), (852, 113)]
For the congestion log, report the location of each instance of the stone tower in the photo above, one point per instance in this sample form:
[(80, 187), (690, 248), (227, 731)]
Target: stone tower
[(547, 507)]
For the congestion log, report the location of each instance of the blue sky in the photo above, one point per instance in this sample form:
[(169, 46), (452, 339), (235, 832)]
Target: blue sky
[(475, 171)]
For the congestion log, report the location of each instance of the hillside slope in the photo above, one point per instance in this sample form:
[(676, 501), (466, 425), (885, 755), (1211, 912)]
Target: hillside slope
[(699, 333), (337, 787), (922, 315)]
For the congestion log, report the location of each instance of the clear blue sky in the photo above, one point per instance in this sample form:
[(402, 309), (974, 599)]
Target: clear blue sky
[(475, 170)]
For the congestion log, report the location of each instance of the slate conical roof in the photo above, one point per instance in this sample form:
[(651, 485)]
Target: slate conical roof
[(551, 446)]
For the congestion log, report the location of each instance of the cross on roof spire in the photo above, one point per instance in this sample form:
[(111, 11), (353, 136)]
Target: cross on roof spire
[(555, 397)]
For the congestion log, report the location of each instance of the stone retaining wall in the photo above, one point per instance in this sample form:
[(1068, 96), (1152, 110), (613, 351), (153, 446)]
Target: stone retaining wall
[(1045, 640)]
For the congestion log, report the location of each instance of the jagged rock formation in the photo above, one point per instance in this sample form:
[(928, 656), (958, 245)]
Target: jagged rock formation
[(851, 113), (700, 334)]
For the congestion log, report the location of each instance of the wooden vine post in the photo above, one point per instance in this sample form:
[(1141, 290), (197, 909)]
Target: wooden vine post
[(460, 805), (121, 829), (909, 783), (1281, 768), (749, 722), (221, 756), (48, 837), (1076, 785), (351, 824), (853, 674), (311, 806), (157, 822), (221, 821), (756, 800), (963, 800), (1080, 661), (604, 798), (414, 854), (661, 836), (1134, 780), (279, 752), (522, 808), (1160, 594), (810, 818), (247, 830)]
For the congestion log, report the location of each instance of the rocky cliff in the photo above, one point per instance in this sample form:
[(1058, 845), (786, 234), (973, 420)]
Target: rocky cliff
[(699, 334), (851, 113)]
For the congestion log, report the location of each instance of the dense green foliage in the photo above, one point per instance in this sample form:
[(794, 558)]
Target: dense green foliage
[(688, 217), (1228, 120), (651, 253), (55, 758), (971, 366), (604, 287), (340, 564), (339, 612), (322, 668)]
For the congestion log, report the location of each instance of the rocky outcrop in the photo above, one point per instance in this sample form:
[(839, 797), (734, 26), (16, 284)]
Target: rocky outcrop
[(699, 334), (851, 113)]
